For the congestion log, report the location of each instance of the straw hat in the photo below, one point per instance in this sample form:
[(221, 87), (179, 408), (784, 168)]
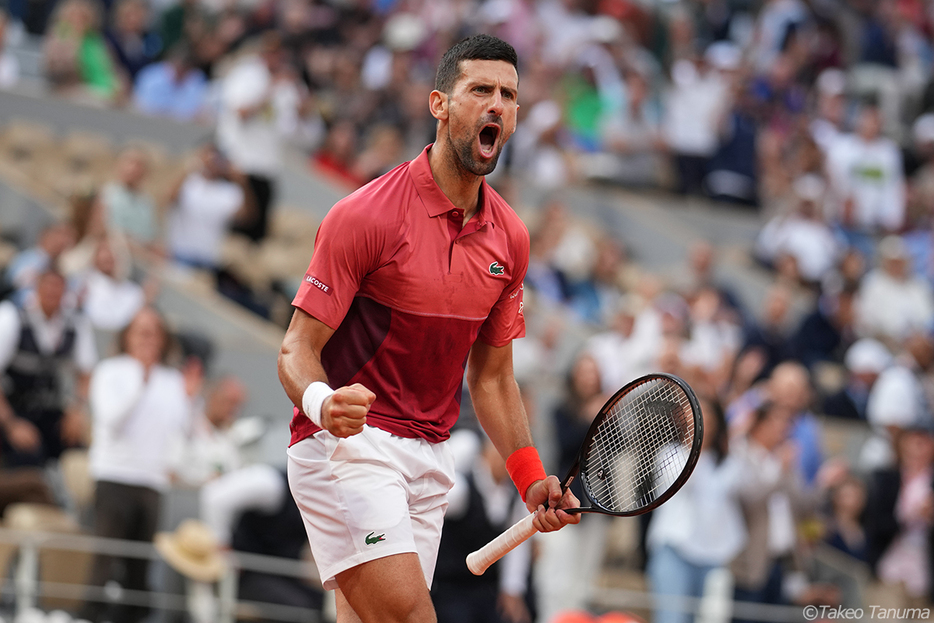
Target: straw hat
[(192, 551)]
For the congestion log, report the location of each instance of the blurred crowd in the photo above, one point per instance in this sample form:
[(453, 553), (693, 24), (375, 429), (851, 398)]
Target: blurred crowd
[(818, 114)]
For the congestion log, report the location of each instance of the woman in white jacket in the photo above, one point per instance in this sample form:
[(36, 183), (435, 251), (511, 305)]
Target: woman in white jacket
[(139, 405)]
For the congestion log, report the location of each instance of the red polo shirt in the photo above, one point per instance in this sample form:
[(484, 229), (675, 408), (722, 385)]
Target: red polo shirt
[(408, 292)]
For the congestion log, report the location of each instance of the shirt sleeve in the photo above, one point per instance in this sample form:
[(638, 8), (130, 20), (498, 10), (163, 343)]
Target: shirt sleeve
[(506, 321), (348, 246)]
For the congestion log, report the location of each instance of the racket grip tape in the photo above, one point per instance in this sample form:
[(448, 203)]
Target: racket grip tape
[(480, 560)]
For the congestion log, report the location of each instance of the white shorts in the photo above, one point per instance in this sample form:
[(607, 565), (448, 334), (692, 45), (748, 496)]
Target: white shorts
[(370, 496)]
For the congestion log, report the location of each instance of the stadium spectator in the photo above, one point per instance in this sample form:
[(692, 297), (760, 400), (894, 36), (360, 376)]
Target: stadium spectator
[(138, 406), (892, 303), (788, 388), (774, 497), (825, 332), (47, 352), (844, 528), (697, 100), (26, 266), (174, 88), (898, 400), (77, 60), (261, 106), (865, 360), (867, 184), (768, 336), (799, 244), (701, 528), (211, 449), (568, 566), (899, 522), (110, 298), (482, 504), (251, 510), (207, 200), (132, 43), (128, 208)]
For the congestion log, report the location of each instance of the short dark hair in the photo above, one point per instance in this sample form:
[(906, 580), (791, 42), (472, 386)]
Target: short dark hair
[(476, 48)]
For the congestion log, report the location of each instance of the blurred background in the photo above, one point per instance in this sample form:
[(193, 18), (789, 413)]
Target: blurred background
[(740, 192)]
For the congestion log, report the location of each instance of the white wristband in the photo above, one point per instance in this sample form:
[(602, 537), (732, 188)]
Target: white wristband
[(313, 399)]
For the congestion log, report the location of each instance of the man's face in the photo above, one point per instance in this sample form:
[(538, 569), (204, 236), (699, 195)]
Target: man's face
[(482, 113), (49, 292)]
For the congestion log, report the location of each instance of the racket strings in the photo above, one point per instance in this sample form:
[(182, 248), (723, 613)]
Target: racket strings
[(641, 447)]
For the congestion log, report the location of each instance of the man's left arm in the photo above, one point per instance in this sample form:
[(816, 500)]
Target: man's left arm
[(498, 404)]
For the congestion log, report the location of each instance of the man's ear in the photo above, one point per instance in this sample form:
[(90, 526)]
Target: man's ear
[(438, 105)]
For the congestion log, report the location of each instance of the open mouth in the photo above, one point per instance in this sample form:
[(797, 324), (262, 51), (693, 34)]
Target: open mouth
[(488, 135)]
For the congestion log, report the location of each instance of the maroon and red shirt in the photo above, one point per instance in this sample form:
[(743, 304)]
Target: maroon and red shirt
[(408, 291)]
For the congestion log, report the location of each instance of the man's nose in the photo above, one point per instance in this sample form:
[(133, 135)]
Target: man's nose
[(496, 104)]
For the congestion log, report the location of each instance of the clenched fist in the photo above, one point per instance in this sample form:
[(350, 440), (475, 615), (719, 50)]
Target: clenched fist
[(344, 412)]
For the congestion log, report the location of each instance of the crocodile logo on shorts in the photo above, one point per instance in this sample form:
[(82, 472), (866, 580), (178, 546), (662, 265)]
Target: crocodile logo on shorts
[(370, 539), (496, 269)]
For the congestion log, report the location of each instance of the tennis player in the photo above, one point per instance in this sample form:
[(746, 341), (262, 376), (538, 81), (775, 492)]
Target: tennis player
[(413, 277)]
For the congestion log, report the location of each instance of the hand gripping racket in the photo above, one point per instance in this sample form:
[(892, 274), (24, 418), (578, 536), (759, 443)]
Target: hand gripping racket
[(639, 451)]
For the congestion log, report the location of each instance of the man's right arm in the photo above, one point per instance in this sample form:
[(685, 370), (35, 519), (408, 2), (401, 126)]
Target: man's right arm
[(343, 413)]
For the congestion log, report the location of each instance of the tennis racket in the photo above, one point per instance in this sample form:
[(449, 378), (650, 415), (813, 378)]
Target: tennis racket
[(640, 449)]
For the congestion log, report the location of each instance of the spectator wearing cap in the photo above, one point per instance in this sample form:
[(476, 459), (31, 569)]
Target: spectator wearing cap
[(897, 401), (865, 360), (892, 303)]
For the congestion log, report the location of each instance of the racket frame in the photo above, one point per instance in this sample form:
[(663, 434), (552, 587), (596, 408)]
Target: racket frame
[(675, 486)]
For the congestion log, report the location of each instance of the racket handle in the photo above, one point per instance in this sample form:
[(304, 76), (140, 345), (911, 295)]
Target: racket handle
[(480, 560)]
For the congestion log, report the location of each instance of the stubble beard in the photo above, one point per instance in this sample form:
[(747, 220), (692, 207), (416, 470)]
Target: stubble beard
[(463, 157)]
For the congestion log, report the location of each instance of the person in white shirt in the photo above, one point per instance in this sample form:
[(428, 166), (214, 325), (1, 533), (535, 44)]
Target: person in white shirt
[(138, 405), (212, 449), (701, 528), (261, 107), (207, 201), (251, 510), (110, 300), (891, 302), (867, 180), (46, 354), (801, 236)]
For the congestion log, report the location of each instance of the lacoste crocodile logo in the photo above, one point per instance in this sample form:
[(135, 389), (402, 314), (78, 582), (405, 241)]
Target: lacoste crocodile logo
[(370, 539), (496, 269)]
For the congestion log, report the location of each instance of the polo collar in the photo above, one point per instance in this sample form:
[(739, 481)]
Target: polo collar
[(435, 201)]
